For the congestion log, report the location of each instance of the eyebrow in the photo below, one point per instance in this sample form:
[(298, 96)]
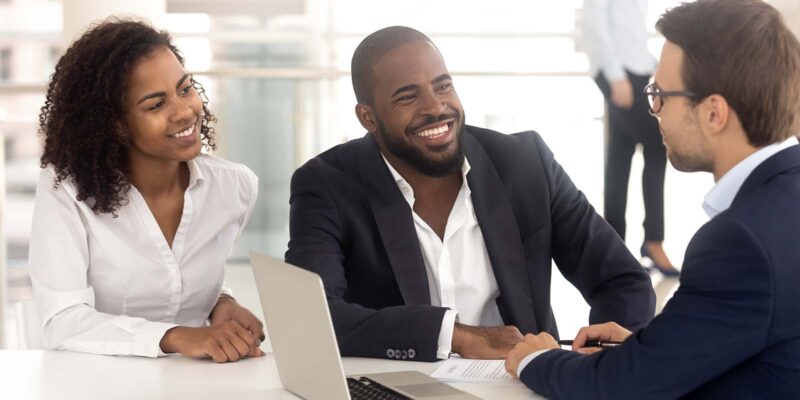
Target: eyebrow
[(162, 94), (440, 78), (405, 89)]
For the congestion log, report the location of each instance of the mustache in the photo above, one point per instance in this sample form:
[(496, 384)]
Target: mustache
[(434, 119)]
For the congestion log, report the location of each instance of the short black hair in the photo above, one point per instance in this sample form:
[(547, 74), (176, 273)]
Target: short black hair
[(371, 49)]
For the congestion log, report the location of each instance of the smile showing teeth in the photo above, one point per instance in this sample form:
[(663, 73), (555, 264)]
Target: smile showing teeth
[(184, 133), (433, 132)]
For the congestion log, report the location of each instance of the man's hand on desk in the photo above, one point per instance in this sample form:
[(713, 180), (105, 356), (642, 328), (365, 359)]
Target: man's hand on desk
[(607, 332), (484, 342), (227, 309), (529, 345), (224, 342)]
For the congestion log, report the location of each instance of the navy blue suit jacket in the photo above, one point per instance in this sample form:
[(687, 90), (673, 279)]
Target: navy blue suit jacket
[(350, 223), (732, 329)]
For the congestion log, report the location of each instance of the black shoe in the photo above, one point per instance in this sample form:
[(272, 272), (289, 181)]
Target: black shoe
[(666, 271)]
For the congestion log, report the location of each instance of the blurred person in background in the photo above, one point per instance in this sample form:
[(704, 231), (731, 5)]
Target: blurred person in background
[(132, 223), (616, 39)]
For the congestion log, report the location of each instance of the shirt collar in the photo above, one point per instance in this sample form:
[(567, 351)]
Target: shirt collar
[(722, 194), (195, 173), (406, 189)]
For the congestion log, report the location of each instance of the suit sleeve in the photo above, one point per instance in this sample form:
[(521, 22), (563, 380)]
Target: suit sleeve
[(317, 243), (718, 318), (591, 255)]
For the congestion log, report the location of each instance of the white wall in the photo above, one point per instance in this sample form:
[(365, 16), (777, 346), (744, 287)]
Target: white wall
[(79, 14)]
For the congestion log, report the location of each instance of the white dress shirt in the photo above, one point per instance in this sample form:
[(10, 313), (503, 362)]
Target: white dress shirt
[(615, 36), (111, 285), (460, 275), (719, 198), (722, 194)]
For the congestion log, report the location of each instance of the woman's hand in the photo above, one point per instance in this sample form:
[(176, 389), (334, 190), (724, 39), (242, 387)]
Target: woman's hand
[(224, 342), (227, 309)]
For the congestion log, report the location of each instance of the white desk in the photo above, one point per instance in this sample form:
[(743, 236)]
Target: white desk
[(46, 375)]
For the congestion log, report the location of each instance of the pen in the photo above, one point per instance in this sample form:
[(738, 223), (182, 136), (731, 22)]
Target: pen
[(591, 343)]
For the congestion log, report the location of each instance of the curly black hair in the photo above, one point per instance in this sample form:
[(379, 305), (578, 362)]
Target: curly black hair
[(83, 116)]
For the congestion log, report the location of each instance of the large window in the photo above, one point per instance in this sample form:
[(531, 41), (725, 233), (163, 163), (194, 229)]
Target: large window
[(277, 75), (5, 65)]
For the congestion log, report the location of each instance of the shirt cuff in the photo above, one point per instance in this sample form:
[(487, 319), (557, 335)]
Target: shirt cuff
[(446, 335), (148, 339), (226, 291), (527, 360)]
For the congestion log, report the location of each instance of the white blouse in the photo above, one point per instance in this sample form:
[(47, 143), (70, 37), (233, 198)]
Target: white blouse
[(110, 285)]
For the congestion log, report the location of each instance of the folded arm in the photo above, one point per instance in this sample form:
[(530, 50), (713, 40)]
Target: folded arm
[(318, 239)]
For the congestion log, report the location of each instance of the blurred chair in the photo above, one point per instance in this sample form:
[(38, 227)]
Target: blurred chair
[(23, 310)]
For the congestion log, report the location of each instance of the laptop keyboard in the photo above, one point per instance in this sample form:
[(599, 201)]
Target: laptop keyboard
[(366, 389)]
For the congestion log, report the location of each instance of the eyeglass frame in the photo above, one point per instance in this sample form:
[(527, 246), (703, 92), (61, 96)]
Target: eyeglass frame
[(651, 93)]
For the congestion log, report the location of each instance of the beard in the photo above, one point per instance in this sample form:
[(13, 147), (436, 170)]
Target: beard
[(412, 155), (689, 163), (690, 157)]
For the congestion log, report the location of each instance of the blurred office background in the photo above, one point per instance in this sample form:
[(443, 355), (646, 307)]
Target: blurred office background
[(277, 75)]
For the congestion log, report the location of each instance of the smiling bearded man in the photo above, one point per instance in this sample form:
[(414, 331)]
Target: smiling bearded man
[(433, 236)]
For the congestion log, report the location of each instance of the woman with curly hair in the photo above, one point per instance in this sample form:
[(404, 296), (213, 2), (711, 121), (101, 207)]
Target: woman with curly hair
[(132, 223)]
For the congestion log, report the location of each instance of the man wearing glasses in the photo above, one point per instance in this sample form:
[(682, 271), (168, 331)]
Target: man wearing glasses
[(727, 98)]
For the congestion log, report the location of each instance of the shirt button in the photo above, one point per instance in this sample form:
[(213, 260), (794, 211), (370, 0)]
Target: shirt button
[(411, 354), (405, 354), (397, 354), (390, 353)]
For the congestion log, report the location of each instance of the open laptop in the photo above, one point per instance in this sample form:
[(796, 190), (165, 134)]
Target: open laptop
[(304, 344)]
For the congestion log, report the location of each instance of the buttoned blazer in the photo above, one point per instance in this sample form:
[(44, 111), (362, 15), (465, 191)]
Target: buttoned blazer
[(350, 223), (732, 329)]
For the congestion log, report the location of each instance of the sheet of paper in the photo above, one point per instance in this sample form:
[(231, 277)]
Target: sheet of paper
[(456, 369)]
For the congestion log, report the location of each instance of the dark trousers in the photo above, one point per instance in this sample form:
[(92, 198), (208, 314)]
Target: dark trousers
[(626, 129)]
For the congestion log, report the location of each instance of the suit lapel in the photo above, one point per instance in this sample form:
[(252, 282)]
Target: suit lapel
[(784, 160), (395, 224), (500, 233)]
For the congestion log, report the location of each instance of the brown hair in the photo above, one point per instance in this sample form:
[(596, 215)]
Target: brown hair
[(743, 51), (82, 119)]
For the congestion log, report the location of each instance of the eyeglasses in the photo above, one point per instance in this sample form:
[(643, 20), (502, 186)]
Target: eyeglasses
[(655, 96)]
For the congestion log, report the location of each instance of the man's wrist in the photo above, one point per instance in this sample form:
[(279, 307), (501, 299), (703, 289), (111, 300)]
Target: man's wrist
[(528, 359)]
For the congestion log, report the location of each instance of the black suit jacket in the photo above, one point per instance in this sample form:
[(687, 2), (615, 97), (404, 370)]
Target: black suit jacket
[(350, 224), (731, 331)]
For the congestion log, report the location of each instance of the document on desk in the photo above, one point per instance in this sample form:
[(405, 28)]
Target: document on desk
[(456, 369)]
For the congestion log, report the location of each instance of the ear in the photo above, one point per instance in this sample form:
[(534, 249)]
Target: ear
[(716, 113), (366, 116)]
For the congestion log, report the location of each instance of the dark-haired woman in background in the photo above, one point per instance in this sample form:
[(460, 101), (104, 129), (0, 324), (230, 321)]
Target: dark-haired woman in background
[(132, 223)]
